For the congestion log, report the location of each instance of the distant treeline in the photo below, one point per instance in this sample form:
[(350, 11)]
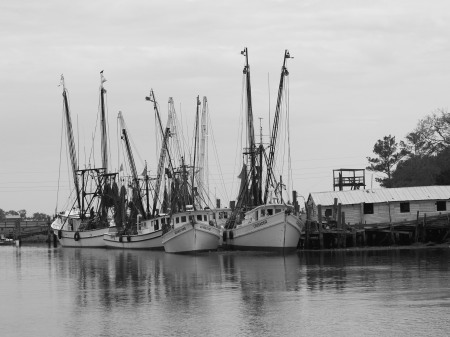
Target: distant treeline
[(23, 215), (421, 159)]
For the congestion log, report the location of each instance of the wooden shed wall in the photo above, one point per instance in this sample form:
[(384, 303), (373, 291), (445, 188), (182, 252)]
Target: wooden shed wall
[(382, 212)]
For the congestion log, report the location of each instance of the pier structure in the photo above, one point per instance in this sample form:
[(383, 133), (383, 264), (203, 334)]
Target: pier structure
[(28, 230), (382, 217)]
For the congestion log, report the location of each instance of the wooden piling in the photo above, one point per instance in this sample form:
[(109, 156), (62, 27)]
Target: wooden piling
[(392, 235), (416, 233), (307, 233), (424, 231), (319, 210), (339, 223), (335, 209), (344, 231), (354, 243)]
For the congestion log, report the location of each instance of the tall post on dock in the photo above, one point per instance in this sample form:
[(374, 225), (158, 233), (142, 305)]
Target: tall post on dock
[(353, 229), (424, 230), (319, 211), (344, 230), (18, 233), (307, 233), (416, 233), (339, 223), (335, 209)]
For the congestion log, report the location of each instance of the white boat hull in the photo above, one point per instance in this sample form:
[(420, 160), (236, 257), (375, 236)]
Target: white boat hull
[(280, 232), (139, 241), (90, 238), (191, 238)]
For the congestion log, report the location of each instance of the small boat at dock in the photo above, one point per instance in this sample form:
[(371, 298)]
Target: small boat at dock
[(262, 220), (193, 231)]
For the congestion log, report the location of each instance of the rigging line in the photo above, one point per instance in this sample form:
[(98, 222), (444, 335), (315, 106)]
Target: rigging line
[(107, 122), (290, 177), (78, 141), (180, 127), (268, 88), (60, 160), (118, 145), (217, 157), (240, 135)]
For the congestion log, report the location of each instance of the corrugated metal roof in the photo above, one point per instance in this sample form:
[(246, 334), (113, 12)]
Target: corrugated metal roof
[(381, 195)]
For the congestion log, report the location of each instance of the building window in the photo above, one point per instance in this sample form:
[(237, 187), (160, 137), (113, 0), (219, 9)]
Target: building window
[(441, 205), (368, 208), (404, 207), (328, 212)]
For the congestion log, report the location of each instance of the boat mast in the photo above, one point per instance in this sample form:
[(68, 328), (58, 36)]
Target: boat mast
[(136, 186), (70, 140), (202, 164), (104, 140), (164, 150), (195, 152), (251, 133), (273, 140)]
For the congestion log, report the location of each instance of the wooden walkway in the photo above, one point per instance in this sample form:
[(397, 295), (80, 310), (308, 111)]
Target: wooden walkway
[(336, 234)]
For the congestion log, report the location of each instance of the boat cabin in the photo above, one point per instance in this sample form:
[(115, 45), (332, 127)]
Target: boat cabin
[(262, 212)]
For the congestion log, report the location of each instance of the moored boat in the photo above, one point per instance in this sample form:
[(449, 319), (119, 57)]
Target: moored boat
[(192, 231), (148, 236), (262, 220), (90, 215), (266, 227), (6, 241), (73, 232)]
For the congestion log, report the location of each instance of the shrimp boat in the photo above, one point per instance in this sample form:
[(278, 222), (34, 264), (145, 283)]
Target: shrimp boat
[(261, 219), (193, 227), (135, 227), (89, 217), (192, 231)]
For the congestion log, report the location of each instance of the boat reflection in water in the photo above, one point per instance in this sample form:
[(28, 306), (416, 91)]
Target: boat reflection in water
[(202, 290), (124, 292)]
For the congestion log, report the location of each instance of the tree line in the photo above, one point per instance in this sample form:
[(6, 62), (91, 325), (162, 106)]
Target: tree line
[(23, 215), (421, 159)]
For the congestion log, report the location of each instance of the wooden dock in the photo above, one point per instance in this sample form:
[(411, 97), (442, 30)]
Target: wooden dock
[(29, 230), (335, 233)]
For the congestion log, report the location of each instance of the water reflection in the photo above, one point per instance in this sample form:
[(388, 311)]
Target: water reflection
[(117, 292)]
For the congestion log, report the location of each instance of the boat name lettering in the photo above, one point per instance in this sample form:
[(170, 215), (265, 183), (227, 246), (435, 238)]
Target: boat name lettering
[(259, 224), (179, 230)]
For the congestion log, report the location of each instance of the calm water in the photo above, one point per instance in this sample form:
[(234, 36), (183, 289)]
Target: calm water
[(95, 292)]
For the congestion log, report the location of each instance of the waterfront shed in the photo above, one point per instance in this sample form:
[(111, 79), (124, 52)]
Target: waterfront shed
[(383, 205)]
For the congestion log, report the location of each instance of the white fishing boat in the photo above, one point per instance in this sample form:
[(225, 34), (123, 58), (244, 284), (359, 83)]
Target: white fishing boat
[(261, 219), (148, 236), (191, 231), (6, 241), (193, 226), (266, 227), (73, 232), (90, 214)]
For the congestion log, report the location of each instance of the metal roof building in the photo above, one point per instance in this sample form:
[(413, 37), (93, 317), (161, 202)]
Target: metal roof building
[(382, 205), (381, 195)]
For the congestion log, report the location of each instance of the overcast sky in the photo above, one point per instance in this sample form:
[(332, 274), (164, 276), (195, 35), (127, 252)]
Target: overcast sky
[(361, 70)]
